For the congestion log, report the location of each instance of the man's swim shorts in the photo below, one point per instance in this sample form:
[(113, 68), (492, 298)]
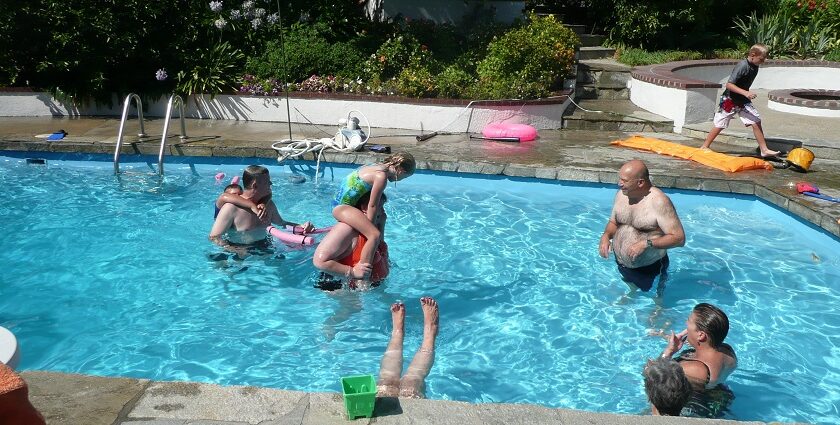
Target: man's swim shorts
[(644, 277)]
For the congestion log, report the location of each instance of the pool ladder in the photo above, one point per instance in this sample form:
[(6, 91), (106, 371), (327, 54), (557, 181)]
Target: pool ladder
[(173, 100)]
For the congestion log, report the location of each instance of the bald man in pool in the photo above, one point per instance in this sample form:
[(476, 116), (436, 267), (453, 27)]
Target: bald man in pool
[(240, 225), (642, 226)]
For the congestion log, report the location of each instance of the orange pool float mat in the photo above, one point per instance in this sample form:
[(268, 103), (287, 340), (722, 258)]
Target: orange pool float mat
[(706, 157)]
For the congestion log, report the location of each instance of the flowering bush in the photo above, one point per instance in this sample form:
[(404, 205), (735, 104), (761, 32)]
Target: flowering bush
[(260, 87), (318, 84), (528, 62), (394, 54), (416, 80)]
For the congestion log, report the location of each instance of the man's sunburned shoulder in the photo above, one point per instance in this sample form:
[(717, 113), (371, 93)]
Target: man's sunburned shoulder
[(659, 198)]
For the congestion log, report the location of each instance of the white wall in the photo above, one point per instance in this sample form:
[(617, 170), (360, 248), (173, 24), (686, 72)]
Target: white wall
[(666, 101), (319, 111)]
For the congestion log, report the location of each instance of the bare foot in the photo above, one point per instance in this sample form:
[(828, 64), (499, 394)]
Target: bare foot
[(768, 152), (398, 316), (430, 315)]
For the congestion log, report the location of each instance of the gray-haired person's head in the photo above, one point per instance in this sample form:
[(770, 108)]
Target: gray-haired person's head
[(666, 386)]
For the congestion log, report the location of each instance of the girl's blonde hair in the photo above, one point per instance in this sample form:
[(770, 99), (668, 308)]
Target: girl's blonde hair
[(403, 160)]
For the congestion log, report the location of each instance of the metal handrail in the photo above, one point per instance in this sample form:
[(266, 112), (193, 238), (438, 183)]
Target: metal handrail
[(174, 99), (142, 133)]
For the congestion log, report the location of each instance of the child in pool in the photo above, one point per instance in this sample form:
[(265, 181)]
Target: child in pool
[(369, 179), (233, 195)]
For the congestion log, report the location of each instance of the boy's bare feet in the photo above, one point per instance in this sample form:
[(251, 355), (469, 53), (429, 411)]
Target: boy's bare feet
[(768, 152), (398, 316), (430, 316)]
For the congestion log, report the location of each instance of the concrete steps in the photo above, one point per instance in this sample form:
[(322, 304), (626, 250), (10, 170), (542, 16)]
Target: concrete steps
[(595, 52), (590, 44), (598, 75), (602, 79), (616, 115)]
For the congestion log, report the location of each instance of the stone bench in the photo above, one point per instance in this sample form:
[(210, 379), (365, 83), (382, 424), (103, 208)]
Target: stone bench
[(688, 91)]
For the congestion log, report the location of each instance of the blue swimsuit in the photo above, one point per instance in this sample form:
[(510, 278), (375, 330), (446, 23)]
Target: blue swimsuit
[(352, 189)]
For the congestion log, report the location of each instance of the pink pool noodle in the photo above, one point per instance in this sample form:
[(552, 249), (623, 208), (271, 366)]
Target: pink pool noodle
[(289, 238)]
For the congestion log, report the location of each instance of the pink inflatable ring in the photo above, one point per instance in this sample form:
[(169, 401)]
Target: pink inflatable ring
[(524, 132)]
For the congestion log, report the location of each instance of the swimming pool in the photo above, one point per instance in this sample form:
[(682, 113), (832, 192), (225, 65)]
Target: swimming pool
[(111, 276)]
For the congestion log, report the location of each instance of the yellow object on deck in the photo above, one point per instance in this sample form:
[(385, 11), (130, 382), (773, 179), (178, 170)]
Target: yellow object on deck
[(706, 157), (800, 159)]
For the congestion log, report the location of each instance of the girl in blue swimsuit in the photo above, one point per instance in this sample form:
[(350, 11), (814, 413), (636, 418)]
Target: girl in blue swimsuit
[(368, 179)]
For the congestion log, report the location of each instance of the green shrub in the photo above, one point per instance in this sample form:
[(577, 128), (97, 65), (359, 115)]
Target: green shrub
[(95, 48), (454, 82), (444, 40), (394, 54), (656, 23), (529, 61), (415, 80), (307, 52), (636, 57), (213, 71), (833, 55), (776, 30)]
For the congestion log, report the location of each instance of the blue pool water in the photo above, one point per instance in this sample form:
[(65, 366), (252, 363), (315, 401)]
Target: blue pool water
[(110, 276)]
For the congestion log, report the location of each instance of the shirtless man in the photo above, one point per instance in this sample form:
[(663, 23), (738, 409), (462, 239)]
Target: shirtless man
[(240, 225), (643, 224)]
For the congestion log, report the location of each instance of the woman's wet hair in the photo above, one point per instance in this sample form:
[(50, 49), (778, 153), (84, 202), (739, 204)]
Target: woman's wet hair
[(712, 321), (403, 160), (666, 386)]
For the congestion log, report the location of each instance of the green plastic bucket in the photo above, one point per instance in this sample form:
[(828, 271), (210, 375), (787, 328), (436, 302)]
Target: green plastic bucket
[(359, 395)]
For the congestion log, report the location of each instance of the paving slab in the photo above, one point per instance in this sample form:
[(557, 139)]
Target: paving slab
[(189, 400), (72, 399)]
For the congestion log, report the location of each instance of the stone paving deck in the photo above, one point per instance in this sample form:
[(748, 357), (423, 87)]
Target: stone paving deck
[(819, 134), (560, 154), (71, 399)]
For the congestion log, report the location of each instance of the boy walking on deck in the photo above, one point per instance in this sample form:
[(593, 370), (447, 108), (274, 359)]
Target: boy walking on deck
[(737, 99)]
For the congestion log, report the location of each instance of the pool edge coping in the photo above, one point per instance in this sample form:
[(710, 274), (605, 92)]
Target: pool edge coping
[(779, 198), (70, 398)]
